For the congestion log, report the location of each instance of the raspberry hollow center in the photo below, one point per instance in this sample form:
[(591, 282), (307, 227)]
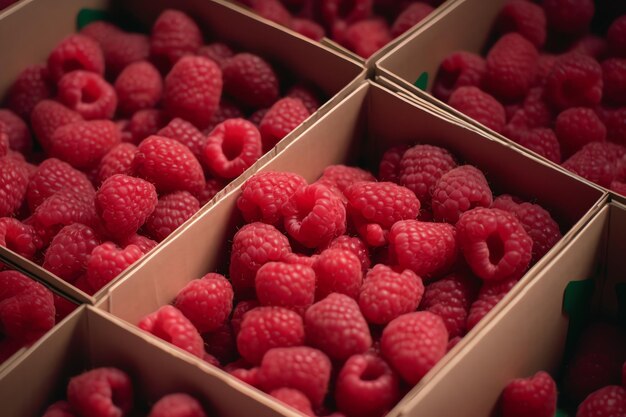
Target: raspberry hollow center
[(373, 371), (496, 248), (233, 146)]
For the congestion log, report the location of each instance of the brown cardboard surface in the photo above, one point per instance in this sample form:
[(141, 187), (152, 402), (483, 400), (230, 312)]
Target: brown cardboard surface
[(91, 339)]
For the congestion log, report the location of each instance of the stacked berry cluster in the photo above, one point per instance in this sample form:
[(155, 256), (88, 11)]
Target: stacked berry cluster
[(135, 133), (593, 384), (366, 281), (104, 392), (362, 26), (550, 85)]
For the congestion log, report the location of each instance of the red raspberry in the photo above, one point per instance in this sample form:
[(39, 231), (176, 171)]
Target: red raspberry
[(84, 144), (88, 94), (213, 186), (101, 392), (239, 311), (533, 396), (459, 190), (489, 296), (4, 140), (295, 399), (169, 324), (249, 376), (117, 161), (26, 308), (47, 117), (350, 11), (570, 17), (413, 343), (139, 86), (51, 176), (59, 409), (366, 386), (145, 123), (459, 69), (283, 117), (375, 206), (616, 37), (411, 16), (193, 89), (107, 261), (258, 116), (605, 402), (337, 270), (226, 110), (171, 211), (143, 243), (249, 79), (428, 249), (494, 243), (542, 141), (354, 245), (17, 131), (272, 10), (265, 328), (120, 48), (217, 52), (30, 87), (302, 368), (307, 94), (232, 147), (511, 65), (75, 52), (389, 167), (169, 165), (19, 237), (618, 187), (479, 106), (185, 133), (65, 207), (367, 36), (613, 120), (308, 28), (535, 112), (575, 81), (263, 195), (596, 161), (314, 216), (254, 245), (387, 294), (69, 251), (174, 34), (614, 78), (343, 176), (545, 63), (177, 405), (592, 45), (286, 285), (221, 344), (206, 302), (13, 185), (526, 18), (577, 126)]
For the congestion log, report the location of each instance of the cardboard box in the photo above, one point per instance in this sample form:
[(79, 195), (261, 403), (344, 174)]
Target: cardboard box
[(529, 334), (334, 74), (367, 122), (90, 339)]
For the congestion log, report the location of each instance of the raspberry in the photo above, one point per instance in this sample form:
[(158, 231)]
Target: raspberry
[(575, 81), (51, 176), (107, 261), (193, 89), (307, 95), (545, 63), (212, 187), (249, 79), (367, 36), (614, 79), (314, 216), (613, 120), (366, 386), (283, 117), (249, 376), (428, 249), (30, 87), (354, 245), (169, 165), (511, 64), (307, 28), (616, 37), (295, 399), (596, 161), (59, 409), (412, 15), (117, 161), (570, 17), (605, 402), (171, 211), (217, 52), (13, 185), (413, 343), (258, 116), (75, 52), (577, 126), (185, 133), (120, 48), (145, 123), (263, 194), (387, 294), (139, 86), (342, 176), (232, 147), (65, 207), (4, 140), (220, 343), (286, 285), (479, 106), (17, 131), (459, 190), (526, 18), (177, 405), (143, 243), (535, 112), (333, 10), (101, 392), (254, 245), (542, 141), (88, 94), (174, 34), (489, 295), (226, 110), (302, 368), (69, 251), (265, 328), (534, 396), (47, 117), (459, 69), (272, 10), (20, 238), (169, 324), (84, 144), (239, 311), (618, 187), (26, 308), (591, 45)]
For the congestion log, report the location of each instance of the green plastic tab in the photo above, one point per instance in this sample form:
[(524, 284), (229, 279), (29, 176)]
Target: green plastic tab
[(86, 16), (422, 81), (561, 413), (577, 306)]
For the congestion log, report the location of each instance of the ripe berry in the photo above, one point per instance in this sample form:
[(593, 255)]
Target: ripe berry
[(88, 94), (101, 392), (569, 17), (420, 168), (177, 405), (286, 285), (107, 261), (459, 190), (185, 133), (295, 399), (13, 185), (84, 144), (526, 18), (18, 134), (337, 270), (232, 147), (605, 402), (31, 86), (206, 302), (489, 295), (412, 15), (118, 160), (75, 52), (250, 80), (174, 34), (171, 211), (459, 69), (284, 116), (534, 396), (139, 86), (342, 176), (575, 81), (47, 116), (169, 324)]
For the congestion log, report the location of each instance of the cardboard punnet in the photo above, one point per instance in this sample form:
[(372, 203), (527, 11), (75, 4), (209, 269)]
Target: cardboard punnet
[(529, 334), (367, 122), (334, 74), (91, 338)]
